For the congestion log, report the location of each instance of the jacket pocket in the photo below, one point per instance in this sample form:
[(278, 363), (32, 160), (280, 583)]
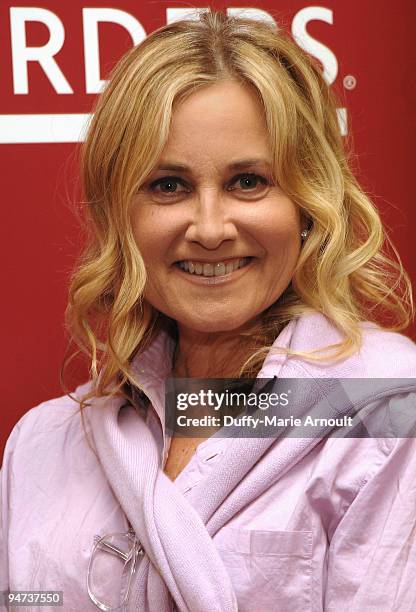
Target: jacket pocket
[(270, 570)]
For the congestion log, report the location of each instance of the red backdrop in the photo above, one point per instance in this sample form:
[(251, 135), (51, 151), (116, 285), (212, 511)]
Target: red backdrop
[(366, 49)]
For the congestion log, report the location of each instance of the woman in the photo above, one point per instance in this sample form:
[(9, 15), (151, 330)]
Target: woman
[(224, 220)]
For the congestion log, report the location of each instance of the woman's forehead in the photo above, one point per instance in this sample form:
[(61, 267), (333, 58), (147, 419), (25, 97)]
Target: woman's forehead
[(221, 124), (222, 104)]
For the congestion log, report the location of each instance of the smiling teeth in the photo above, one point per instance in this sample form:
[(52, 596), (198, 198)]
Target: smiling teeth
[(213, 269)]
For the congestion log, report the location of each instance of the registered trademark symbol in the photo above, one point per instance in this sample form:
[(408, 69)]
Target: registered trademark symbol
[(350, 81)]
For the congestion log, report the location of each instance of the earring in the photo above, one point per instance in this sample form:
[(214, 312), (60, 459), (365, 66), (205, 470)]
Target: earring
[(304, 233)]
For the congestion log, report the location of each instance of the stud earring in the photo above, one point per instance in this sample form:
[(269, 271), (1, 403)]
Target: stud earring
[(304, 233)]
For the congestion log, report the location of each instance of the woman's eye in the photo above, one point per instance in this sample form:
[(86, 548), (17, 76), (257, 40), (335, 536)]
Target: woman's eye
[(249, 182), (168, 185)]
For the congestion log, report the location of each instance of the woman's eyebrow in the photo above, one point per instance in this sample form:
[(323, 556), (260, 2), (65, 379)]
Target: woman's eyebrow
[(242, 163)]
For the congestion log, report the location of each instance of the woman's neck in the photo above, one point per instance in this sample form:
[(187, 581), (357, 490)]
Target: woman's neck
[(218, 355)]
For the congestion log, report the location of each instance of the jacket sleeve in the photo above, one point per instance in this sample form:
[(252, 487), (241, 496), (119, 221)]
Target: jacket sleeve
[(371, 562), (5, 477)]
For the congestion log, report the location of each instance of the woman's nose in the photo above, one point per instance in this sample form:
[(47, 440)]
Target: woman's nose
[(210, 222)]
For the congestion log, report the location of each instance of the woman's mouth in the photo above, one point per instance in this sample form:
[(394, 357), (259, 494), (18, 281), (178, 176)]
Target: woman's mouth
[(219, 268)]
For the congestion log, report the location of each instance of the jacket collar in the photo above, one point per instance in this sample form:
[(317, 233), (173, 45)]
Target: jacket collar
[(310, 331), (152, 367)]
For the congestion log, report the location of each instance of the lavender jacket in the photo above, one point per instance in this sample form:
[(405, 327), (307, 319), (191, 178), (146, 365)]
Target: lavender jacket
[(293, 524)]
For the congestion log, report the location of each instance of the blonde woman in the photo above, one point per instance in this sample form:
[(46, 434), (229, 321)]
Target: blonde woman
[(228, 238)]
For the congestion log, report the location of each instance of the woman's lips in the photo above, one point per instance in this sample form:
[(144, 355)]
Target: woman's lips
[(220, 279), (218, 268)]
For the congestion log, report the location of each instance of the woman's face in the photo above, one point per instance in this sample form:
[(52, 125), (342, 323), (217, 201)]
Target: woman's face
[(208, 206)]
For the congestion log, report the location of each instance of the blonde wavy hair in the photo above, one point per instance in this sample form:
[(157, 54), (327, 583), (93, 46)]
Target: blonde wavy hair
[(344, 270)]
